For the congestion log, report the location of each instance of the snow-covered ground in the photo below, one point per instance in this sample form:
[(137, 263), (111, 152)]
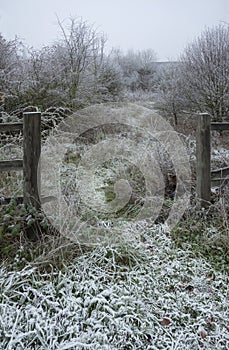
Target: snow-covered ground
[(144, 294)]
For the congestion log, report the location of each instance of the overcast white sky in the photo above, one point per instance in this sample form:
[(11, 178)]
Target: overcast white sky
[(165, 26)]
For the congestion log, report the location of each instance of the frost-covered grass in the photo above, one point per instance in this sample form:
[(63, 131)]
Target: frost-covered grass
[(152, 290), (144, 294)]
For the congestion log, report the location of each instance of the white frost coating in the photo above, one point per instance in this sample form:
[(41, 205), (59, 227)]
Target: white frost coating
[(148, 128), (105, 302)]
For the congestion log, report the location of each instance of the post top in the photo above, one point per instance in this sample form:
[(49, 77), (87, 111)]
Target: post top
[(31, 113)]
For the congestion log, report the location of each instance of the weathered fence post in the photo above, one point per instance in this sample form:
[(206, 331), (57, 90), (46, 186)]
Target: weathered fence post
[(32, 151), (203, 159)]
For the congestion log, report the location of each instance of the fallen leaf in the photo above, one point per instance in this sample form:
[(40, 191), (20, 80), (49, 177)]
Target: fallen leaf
[(202, 333), (166, 321)]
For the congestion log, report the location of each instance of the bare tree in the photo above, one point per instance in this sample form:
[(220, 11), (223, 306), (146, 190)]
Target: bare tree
[(170, 99), (8, 58), (138, 68), (79, 55), (205, 69), (42, 81), (146, 69), (11, 72)]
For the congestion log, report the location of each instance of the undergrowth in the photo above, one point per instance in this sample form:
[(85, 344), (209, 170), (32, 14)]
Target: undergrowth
[(137, 295), (206, 231)]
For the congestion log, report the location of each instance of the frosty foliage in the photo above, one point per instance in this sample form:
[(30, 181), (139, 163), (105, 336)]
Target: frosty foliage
[(205, 71), (131, 142), (74, 71), (10, 68), (143, 295), (138, 69), (170, 100)]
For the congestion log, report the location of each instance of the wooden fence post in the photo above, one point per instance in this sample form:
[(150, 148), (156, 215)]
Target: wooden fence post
[(203, 159), (31, 151)]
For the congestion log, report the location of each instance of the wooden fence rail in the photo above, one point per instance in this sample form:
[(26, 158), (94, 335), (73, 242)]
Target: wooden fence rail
[(11, 127), (219, 126), (205, 177), (31, 128), (8, 165)]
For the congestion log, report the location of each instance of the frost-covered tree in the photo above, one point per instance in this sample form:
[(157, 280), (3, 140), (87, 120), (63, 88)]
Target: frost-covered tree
[(205, 69), (138, 68), (38, 77), (8, 59), (78, 56), (108, 84), (10, 71), (73, 72), (146, 69), (170, 99)]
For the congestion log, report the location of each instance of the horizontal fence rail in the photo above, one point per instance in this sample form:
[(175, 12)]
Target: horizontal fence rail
[(11, 127), (223, 172), (8, 165), (220, 177), (220, 126)]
